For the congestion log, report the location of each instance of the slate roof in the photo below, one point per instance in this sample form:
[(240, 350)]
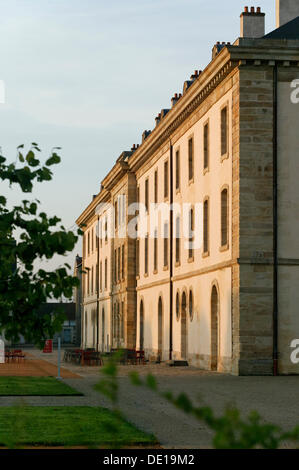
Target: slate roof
[(289, 30)]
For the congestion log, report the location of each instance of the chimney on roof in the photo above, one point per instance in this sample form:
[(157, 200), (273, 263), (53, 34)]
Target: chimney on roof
[(286, 10), (252, 23), (145, 135), (164, 112), (175, 98), (158, 119)]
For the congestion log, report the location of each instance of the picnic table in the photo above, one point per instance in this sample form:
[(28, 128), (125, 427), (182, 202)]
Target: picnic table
[(16, 355), (130, 356), (83, 356)]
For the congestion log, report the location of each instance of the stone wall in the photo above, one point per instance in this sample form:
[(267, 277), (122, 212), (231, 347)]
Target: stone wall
[(253, 221)]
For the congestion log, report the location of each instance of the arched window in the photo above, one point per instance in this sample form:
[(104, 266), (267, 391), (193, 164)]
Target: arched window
[(214, 328), (177, 306), (191, 304), (85, 328), (184, 326), (160, 328), (141, 320), (103, 329)]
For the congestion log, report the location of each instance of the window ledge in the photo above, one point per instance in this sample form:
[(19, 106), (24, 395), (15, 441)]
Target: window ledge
[(206, 170), (224, 248), (191, 260), (177, 264), (191, 181), (206, 254), (224, 157), (165, 268)]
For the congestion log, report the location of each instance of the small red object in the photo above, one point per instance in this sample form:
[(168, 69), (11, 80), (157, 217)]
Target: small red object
[(48, 348)]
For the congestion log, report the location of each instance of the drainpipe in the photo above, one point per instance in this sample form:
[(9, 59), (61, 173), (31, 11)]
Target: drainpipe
[(98, 282), (171, 255), (275, 228)]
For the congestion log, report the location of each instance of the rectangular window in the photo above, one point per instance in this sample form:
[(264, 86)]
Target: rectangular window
[(97, 279), (177, 240), (165, 245), (146, 195), (119, 215), (146, 255), (206, 226), (92, 241), (190, 159), (191, 229), (101, 277), (106, 273), (123, 208), (224, 217), (206, 145), (138, 202), (115, 265), (123, 262), (177, 170), (115, 215), (106, 229), (88, 243), (118, 263), (137, 258), (166, 178), (224, 131), (100, 232), (156, 251), (156, 187)]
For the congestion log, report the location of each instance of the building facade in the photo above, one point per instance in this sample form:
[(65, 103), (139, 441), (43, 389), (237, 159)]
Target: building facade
[(211, 274)]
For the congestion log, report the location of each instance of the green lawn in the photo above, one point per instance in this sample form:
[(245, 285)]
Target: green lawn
[(34, 386), (67, 426)]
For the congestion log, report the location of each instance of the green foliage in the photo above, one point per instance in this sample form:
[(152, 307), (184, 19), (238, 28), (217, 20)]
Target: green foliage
[(28, 236), (108, 385), (231, 431)]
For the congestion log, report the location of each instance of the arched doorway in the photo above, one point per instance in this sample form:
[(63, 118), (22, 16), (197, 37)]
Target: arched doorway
[(103, 329), (184, 327), (160, 329), (214, 328), (141, 326)]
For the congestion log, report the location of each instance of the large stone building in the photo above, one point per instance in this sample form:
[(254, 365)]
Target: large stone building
[(212, 275)]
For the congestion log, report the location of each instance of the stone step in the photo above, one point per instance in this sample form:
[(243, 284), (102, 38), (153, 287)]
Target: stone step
[(177, 363)]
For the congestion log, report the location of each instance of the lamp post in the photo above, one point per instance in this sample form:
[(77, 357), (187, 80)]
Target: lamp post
[(59, 359)]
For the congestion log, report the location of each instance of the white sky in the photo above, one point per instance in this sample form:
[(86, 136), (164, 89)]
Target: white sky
[(91, 75)]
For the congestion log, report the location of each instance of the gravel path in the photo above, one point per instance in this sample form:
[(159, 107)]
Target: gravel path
[(275, 398)]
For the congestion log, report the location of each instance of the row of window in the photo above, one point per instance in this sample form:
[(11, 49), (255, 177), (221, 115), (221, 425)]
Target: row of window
[(206, 158), (206, 236), (91, 280), (119, 264), (119, 272), (118, 321)]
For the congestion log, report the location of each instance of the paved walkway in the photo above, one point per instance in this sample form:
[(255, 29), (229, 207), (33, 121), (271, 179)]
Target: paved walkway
[(275, 398)]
